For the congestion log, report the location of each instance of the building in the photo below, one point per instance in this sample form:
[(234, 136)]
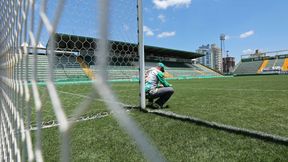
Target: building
[(217, 57), (212, 56), (206, 59), (228, 64)]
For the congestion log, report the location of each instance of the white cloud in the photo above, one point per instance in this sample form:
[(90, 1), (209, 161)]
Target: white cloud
[(248, 51), (164, 4), (162, 18), (24, 44), (166, 34), (247, 34), (227, 37), (147, 31), (146, 9), (125, 27), (40, 45)]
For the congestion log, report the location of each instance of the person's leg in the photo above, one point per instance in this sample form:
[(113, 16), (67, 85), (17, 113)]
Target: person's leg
[(150, 102), (150, 99), (164, 94)]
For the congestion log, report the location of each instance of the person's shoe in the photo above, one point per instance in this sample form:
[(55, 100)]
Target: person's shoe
[(149, 104), (156, 106), (165, 107)]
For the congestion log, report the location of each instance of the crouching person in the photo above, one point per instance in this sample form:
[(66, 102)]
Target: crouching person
[(156, 87)]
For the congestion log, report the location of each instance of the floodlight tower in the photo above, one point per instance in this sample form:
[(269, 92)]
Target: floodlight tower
[(222, 39)]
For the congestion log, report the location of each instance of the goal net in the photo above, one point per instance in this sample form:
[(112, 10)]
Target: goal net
[(62, 62)]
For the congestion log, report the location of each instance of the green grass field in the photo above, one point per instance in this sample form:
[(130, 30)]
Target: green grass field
[(257, 103)]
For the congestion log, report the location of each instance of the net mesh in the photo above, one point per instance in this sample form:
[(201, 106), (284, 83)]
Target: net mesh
[(85, 50)]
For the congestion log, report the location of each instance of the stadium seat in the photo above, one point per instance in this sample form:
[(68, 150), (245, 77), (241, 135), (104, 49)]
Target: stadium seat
[(247, 67)]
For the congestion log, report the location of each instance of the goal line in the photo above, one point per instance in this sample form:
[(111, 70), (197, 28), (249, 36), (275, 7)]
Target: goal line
[(228, 128)]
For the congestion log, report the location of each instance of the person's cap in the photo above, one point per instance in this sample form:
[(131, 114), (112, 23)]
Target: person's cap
[(162, 66)]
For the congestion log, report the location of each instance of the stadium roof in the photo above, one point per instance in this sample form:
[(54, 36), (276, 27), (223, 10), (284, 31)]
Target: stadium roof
[(76, 43), (159, 51)]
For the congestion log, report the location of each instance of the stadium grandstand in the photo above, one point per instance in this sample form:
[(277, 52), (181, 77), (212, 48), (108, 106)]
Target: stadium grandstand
[(275, 62), (75, 60)]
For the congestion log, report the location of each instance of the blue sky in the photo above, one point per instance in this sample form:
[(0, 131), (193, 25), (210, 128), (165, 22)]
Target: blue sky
[(187, 24), (248, 24)]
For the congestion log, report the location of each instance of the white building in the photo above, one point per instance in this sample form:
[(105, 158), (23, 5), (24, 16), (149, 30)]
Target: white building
[(212, 58)]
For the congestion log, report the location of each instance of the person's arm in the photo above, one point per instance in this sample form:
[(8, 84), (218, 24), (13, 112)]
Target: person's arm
[(162, 80)]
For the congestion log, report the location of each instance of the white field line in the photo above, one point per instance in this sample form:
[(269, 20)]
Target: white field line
[(54, 123), (224, 127)]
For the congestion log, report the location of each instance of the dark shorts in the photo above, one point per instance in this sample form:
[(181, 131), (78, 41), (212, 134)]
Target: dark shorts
[(161, 94)]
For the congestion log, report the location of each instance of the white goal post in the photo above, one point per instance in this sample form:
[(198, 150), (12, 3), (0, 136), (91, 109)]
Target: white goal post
[(23, 65)]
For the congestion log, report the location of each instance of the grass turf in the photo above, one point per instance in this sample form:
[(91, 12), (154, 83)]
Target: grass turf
[(258, 103)]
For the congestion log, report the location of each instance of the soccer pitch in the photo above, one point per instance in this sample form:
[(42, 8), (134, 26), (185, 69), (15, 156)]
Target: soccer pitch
[(255, 103)]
